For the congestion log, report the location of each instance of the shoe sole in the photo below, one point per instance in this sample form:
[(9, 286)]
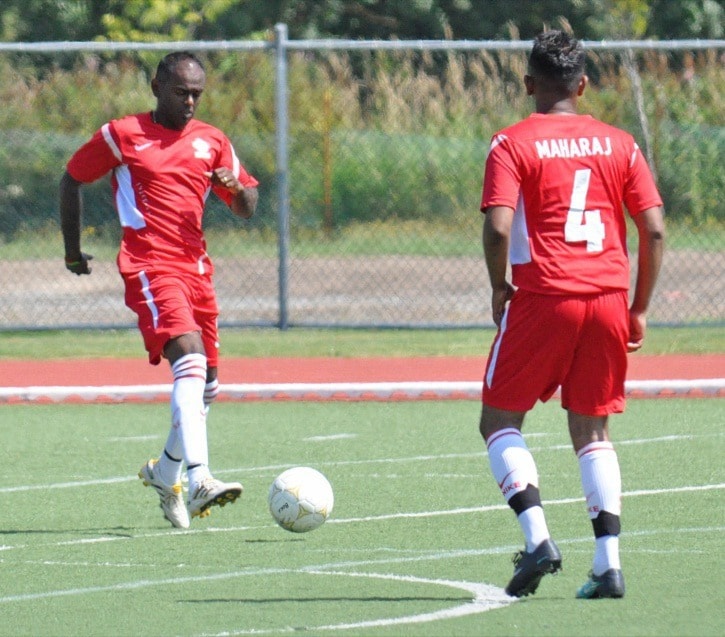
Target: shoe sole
[(602, 595), (608, 596), (222, 499)]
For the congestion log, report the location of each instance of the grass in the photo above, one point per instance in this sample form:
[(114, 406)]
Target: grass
[(418, 523), (263, 342)]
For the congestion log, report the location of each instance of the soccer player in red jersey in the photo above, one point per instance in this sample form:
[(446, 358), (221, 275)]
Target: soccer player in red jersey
[(553, 194), (163, 165)]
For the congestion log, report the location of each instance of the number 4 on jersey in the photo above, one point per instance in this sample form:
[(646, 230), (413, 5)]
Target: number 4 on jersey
[(582, 224)]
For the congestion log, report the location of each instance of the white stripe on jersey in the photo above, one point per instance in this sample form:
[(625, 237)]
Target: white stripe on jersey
[(520, 251), (145, 285), (497, 139), (633, 158), (106, 132), (128, 214), (497, 345)]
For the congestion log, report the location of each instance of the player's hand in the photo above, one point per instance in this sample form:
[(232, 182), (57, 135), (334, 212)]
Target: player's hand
[(499, 298), (80, 265), (637, 328), (225, 178)]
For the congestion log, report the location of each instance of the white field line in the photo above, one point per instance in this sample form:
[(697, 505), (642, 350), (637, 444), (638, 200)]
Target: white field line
[(348, 463), (505, 507), (357, 520), (413, 390), (402, 556), (485, 596)]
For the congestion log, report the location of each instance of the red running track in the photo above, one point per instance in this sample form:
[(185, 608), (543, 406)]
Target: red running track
[(106, 371)]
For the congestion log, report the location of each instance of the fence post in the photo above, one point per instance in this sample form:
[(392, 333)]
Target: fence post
[(281, 138)]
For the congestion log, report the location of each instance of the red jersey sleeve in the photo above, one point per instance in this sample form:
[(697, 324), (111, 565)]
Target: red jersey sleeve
[(501, 181), (96, 157), (229, 158)]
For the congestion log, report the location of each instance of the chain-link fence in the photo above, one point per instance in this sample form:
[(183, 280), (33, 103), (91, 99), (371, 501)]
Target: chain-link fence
[(370, 158)]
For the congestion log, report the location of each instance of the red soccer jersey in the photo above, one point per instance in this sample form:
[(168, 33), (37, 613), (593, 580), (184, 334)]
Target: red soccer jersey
[(566, 177), (159, 187)]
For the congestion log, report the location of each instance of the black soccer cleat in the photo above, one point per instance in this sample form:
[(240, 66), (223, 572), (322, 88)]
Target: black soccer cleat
[(608, 584), (529, 568)]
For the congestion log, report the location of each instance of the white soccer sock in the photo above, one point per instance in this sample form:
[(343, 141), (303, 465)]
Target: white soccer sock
[(187, 408), (197, 474), (533, 524), (606, 554), (602, 485), (211, 391), (170, 470), (511, 462), (514, 469)]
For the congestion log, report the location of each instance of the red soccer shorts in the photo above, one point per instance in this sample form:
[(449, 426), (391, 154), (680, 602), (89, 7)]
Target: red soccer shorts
[(169, 305), (547, 341)]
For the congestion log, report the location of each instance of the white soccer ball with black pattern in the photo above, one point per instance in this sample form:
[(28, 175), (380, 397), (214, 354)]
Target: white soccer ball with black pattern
[(300, 499)]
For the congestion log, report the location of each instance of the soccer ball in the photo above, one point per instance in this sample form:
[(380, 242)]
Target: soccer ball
[(300, 499)]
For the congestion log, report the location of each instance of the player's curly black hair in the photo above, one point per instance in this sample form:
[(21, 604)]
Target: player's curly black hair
[(168, 63), (558, 58)]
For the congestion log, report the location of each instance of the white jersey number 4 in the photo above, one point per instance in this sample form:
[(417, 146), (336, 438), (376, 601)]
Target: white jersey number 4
[(581, 224)]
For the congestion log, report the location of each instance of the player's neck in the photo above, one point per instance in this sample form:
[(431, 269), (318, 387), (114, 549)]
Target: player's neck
[(161, 120), (556, 107)]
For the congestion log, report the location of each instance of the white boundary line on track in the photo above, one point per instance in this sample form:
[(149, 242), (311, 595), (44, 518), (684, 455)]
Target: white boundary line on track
[(410, 390)]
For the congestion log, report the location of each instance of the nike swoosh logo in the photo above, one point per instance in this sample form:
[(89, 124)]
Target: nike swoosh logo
[(500, 484), (140, 147)]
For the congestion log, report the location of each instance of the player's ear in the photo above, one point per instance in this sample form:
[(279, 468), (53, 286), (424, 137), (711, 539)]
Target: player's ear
[(529, 83), (582, 85), (155, 87)]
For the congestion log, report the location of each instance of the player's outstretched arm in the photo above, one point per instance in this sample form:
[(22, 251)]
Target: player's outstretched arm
[(71, 211), (651, 230)]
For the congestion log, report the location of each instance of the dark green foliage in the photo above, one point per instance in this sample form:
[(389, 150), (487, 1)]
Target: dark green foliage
[(43, 20), (411, 146)]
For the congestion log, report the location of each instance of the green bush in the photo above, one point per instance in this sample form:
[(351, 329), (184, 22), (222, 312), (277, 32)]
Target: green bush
[(381, 137)]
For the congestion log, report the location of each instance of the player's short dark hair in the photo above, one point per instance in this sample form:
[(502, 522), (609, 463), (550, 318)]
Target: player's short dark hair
[(169, 62), (559, 58)]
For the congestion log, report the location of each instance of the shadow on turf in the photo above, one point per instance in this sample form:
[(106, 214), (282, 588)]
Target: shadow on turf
[(275, 541)]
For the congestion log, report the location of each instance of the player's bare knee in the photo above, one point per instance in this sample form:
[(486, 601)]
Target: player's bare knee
[(493, 420)]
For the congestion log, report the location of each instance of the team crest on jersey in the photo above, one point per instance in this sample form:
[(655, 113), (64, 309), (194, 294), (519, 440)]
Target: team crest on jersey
[(201, 148)]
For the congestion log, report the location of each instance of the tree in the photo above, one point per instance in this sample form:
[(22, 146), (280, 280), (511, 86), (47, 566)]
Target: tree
[(51, 20), (150, 20)]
